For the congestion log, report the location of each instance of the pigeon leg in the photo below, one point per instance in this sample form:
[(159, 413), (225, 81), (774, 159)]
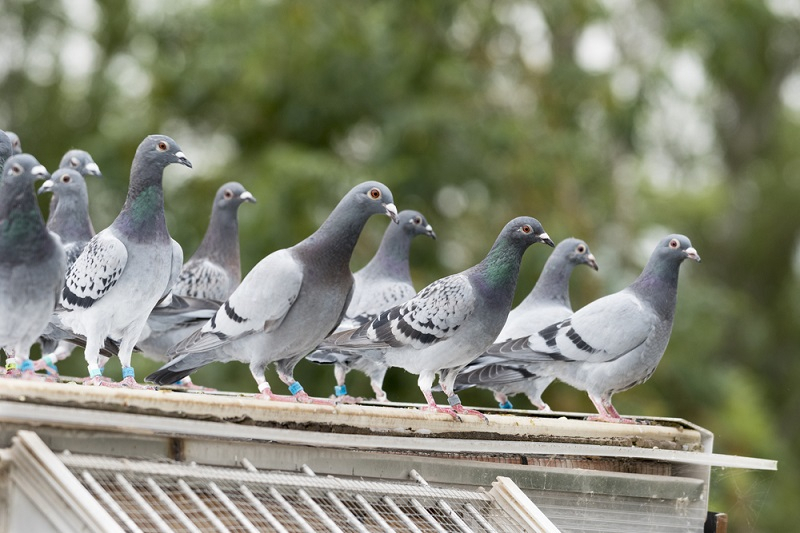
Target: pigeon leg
[(502, 401), (425, 382), (340, 391), (452, 397), (605, 415), (128, 373), (187, 383), (376, 381), (48, 362), (91, 354), (299, 394)]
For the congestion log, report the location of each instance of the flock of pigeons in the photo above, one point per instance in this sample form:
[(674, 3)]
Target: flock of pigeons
[(127, 288)]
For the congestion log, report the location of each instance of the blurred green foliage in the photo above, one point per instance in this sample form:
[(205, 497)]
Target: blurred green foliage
[(616, 122)]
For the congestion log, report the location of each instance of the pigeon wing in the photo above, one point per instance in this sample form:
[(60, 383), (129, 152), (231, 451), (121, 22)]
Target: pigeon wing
[(94, 272)]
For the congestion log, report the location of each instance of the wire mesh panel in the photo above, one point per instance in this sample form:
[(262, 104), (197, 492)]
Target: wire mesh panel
[(178, 497)]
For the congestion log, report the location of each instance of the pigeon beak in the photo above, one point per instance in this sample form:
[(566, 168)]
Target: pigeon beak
[(92, 169), (247, 197), (545, 238), (182, 159), (391, 212), (47, 186), (592, 262), (40, 172), (692, 254), (429, 232)]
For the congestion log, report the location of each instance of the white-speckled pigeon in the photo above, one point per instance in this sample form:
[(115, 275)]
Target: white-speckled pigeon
[(383, 283), (613, 343), (546, 304), (451, 321), (287, 304), (128, 267), (32, 262)]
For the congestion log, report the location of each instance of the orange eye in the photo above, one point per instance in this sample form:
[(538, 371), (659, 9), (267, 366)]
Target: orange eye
[(526, 229), (162, 146), (374, 193), (674, 244)]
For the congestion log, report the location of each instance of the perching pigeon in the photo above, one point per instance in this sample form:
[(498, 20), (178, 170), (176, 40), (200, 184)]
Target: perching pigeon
[(128, 267), (383, 283), (546, 304), (16, 146), (214, 271), (32, 262), (613, 343), (288, 302), (69, 219), (451, 321), (6, 149), (82, 163)]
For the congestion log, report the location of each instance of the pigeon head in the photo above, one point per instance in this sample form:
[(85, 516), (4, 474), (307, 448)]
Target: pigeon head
[(64, 182), (524, 231), (577, 252), (673, 249), (159, 151), (23, 169), (414, 223), (16, 146), (80, 161), (231, 195), (374, 198)]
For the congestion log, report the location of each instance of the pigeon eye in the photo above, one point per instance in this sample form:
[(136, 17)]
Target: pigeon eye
[(227, 194), (580, 249), (66, 179), (16, 169), (74, 162), (162, 146), (526, 229), (374, 193), (417, 221), (674, 244)]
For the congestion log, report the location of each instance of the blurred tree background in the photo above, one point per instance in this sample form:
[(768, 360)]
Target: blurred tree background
[(613, 121)]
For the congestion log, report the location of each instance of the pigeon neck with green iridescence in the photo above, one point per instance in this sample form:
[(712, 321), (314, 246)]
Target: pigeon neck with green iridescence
[(392, 256), (22, 229), (142, 217), (497, 274), (221, 242), (70, 219), (658, 284), (334, 241), (552, 286)]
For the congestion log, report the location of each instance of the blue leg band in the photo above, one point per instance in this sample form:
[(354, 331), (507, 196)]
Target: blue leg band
[(128, 372), (340, 390), (295, 387), (95, 372), (506, 405), (454, 400), (50, 360), (27, 364)]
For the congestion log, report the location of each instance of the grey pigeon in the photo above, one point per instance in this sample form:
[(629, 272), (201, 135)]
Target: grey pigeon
[(70, 221), (81, 162), (613, 343), (32, 262), (128, 267), (450, 322), (16, 145), (383, 283), (214, 271), (6, 149), (288, 302), (547, 303)]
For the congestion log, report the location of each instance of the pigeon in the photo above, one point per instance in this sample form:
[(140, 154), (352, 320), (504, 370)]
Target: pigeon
[(6, 148), (81, 162), (288, 302), (546, 304), (450, 322), (127, 268), (16, 146), (384, 282), (172, 321), (214, 271), (32, 262), (69, 219), (613, 343)]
